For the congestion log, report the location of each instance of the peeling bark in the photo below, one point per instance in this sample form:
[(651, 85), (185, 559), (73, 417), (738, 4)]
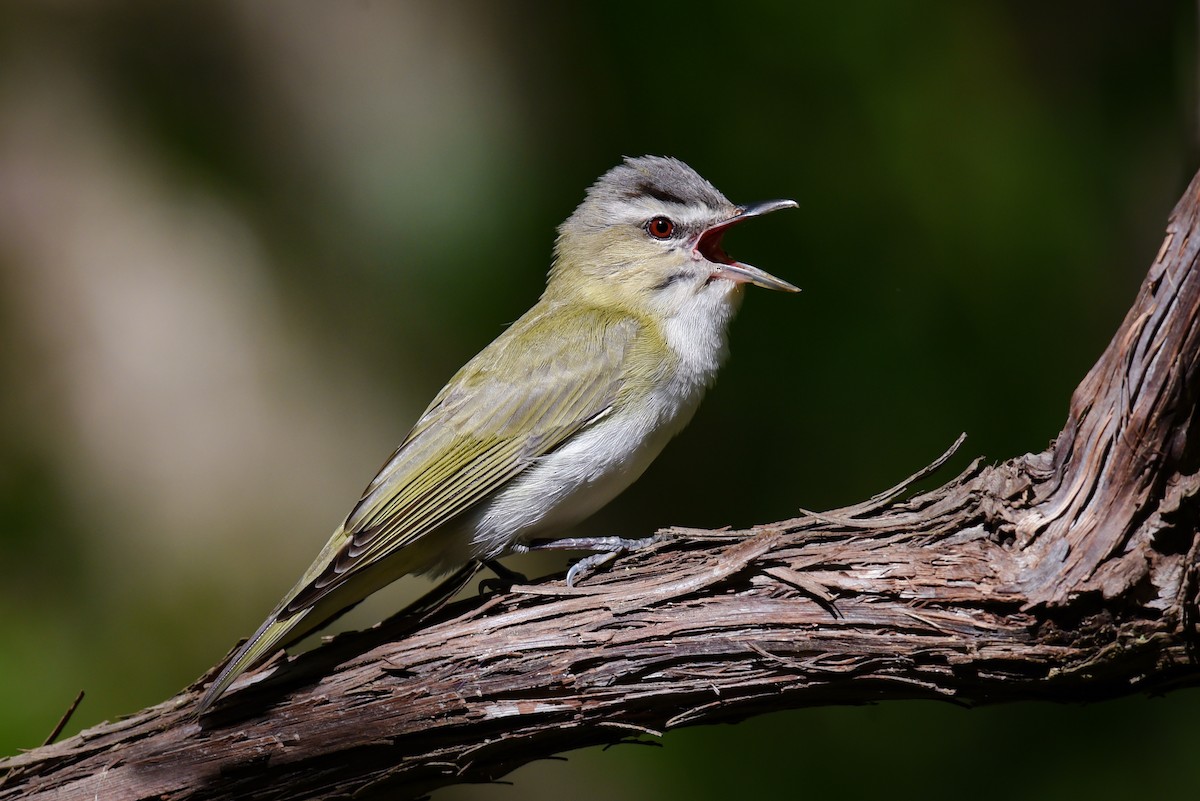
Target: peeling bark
[(1070, 574)]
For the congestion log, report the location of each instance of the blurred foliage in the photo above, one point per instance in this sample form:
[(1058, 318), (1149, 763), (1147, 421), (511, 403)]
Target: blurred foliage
[(315, 212)]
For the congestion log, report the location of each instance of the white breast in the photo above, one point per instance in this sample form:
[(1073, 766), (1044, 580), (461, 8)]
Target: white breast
[(596, 465)]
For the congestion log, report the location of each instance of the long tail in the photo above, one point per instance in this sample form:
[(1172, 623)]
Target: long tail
[(303, 611), (287, 624), (272, 635)]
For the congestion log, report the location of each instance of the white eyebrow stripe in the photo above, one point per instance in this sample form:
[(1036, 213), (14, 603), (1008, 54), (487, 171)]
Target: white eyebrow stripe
[(648, 208)]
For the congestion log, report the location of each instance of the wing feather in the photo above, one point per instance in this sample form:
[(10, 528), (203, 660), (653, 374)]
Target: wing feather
[(520, 398)]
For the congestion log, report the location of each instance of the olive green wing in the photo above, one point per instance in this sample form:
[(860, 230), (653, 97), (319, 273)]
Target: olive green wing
[(520, 398), (524, 395)]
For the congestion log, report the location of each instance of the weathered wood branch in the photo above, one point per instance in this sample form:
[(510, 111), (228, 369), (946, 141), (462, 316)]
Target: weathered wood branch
[(1069, 574)]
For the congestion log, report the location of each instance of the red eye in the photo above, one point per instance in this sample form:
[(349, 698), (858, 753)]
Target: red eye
[(660, 228)]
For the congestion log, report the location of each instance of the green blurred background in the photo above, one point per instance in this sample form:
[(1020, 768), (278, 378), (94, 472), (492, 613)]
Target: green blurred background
[(242, 244)]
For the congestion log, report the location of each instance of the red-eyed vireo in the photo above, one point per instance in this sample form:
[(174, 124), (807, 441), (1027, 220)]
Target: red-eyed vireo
[(558, 415)]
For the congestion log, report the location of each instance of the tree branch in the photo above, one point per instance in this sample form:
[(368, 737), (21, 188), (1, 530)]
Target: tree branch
[(1067, 575)]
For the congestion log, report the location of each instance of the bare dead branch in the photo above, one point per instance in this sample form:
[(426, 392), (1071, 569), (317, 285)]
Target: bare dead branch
[(1067, 575)]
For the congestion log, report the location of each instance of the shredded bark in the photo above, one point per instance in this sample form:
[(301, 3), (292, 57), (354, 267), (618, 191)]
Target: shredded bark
[(1072, 574)]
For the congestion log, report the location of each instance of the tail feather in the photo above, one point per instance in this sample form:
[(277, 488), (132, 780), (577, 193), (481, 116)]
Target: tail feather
[(272, 635), (283, 627)]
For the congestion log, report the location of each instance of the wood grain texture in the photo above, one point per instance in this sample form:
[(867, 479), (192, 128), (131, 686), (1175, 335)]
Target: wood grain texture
[(1070, 574)]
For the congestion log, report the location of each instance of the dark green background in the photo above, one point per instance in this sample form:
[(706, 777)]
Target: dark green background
[(982, 186)]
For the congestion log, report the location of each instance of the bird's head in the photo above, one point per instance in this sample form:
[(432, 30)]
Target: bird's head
[(648, 237)]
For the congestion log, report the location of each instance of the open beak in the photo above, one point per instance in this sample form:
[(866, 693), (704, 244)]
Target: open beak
[(709, 246)]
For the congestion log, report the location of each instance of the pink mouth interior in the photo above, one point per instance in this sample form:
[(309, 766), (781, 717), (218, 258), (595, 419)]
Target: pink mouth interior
[(710, 248)]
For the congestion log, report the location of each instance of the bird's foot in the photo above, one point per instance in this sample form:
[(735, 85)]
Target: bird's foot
[(607, 550)]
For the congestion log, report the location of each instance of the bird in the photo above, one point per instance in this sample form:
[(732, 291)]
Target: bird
[(558, 415)]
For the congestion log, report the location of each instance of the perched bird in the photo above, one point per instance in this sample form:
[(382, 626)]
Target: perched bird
[(560, 413)]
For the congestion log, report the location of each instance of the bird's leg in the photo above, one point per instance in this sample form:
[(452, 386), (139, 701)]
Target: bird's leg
[(505, 578), (607, 550), (440, 595)]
